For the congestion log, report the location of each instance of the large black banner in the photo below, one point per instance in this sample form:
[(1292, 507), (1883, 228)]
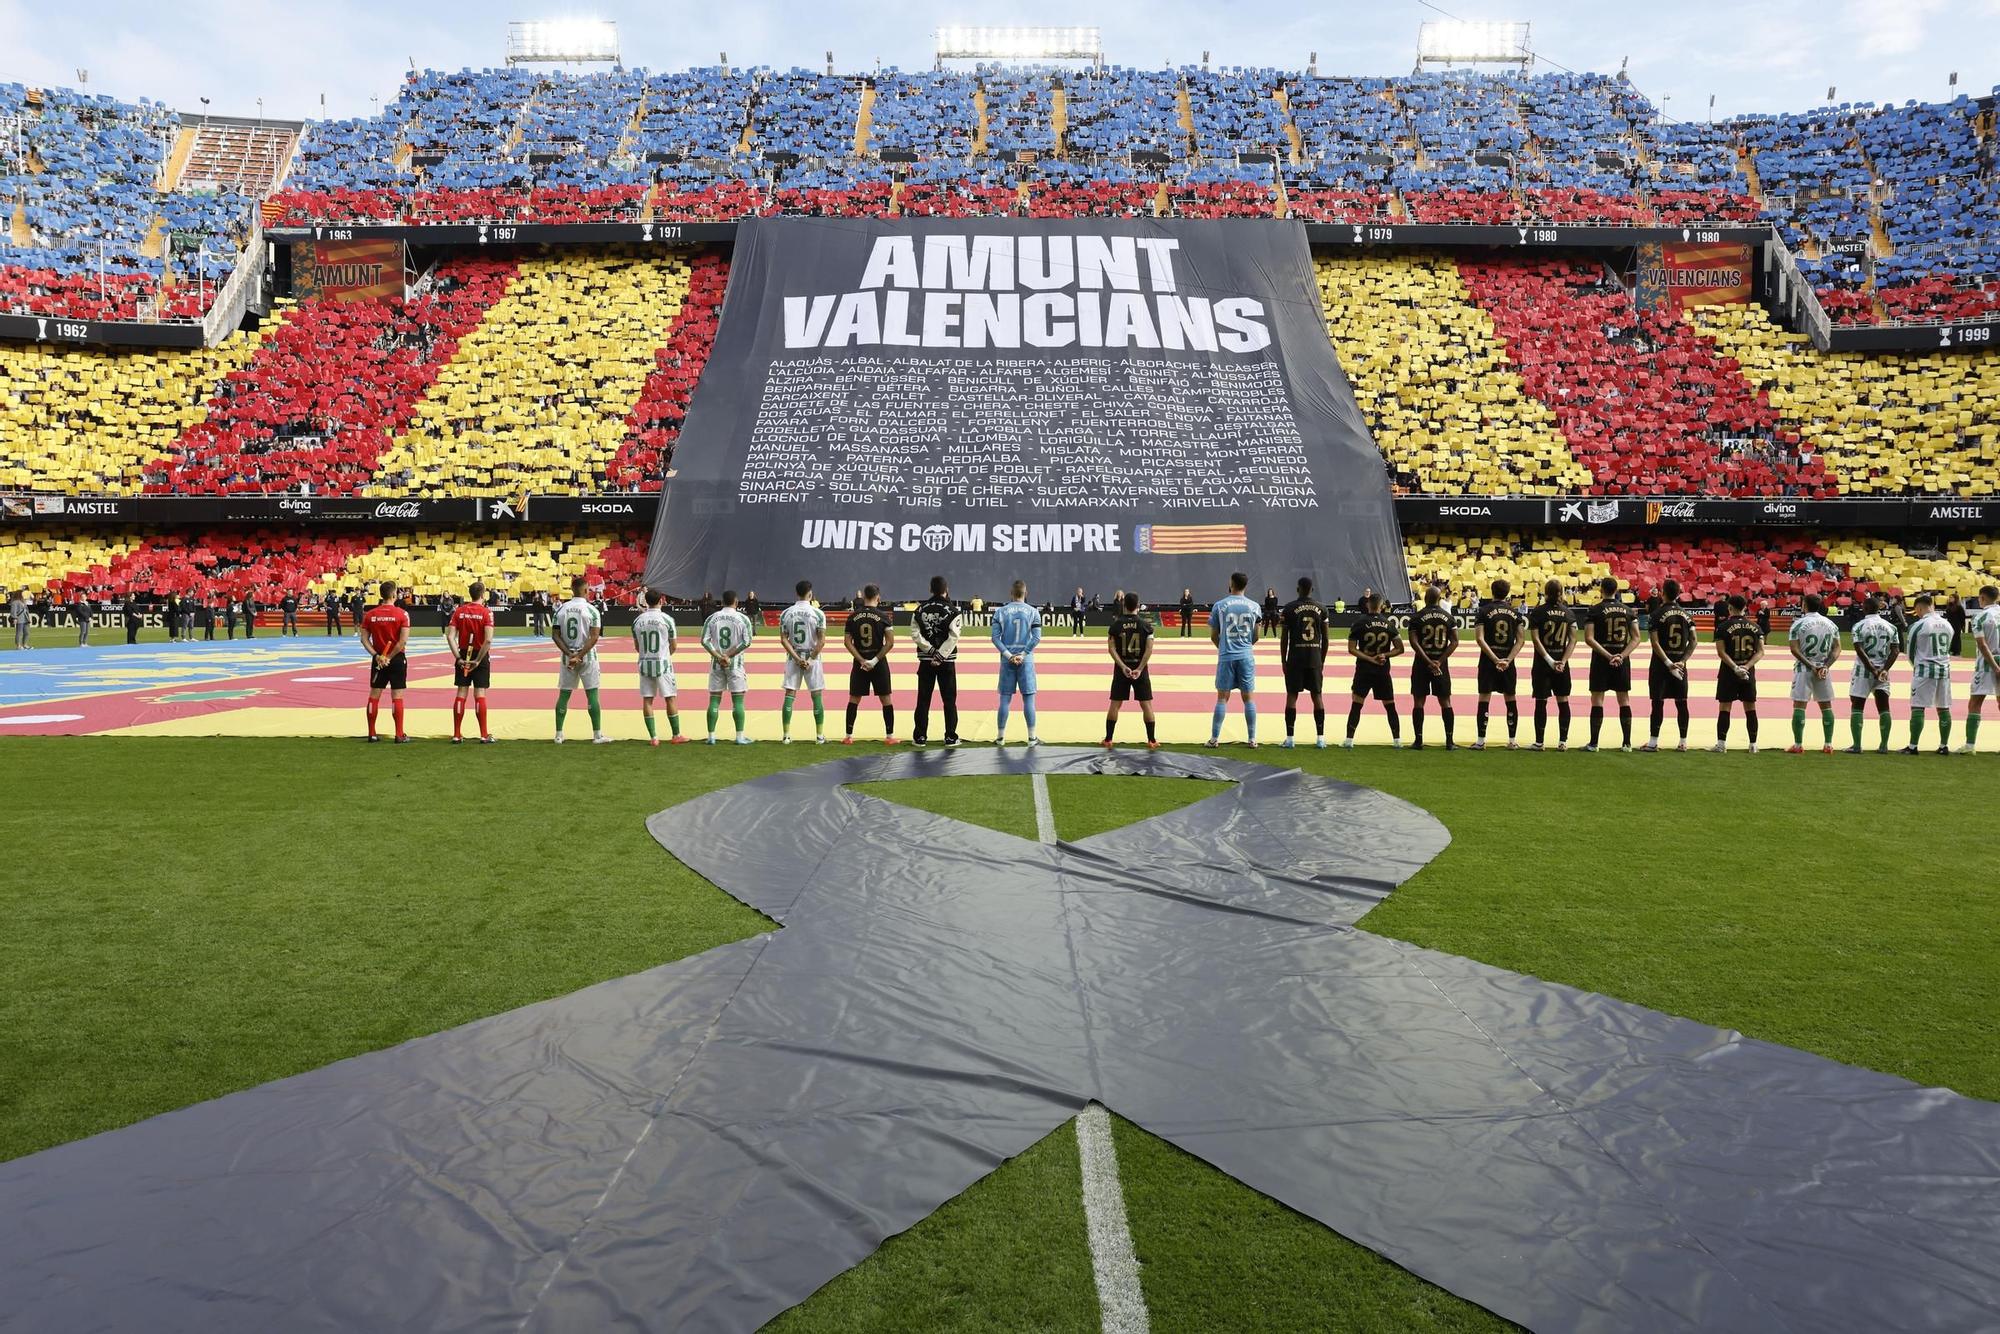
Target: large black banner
[(1132, 403)]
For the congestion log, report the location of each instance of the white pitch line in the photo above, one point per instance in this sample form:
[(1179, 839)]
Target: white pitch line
[(1121, 1302), (1045, 820)]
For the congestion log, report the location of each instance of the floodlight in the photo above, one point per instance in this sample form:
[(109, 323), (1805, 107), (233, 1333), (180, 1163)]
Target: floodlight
[(1459, 42), (959, 42), (562, 41)]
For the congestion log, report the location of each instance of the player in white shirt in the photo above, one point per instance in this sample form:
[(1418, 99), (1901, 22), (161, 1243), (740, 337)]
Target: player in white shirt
[(726, 637), (1815, 643), (802, 628), (1876, 646), (653, 636), (576, 629), (1930, 675), (1985, 627)]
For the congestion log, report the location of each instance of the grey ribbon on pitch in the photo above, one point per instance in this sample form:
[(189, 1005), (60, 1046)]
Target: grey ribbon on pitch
[(702, 1145)]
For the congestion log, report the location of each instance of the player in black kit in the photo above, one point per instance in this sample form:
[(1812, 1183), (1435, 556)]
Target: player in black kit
[(1498, 633), (1302, 628), (1667, 676), (1130, 642), (1433, 637), (1373, 640), (870, 636), (1611, 631), (1554, 635)]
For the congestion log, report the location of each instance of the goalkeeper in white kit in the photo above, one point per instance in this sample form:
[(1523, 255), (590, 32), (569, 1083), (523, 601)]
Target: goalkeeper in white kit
[(653, 636), (726, 637)]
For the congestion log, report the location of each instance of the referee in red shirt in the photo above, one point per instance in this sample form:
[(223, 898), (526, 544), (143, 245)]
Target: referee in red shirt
[(385, 632), (470, 634)]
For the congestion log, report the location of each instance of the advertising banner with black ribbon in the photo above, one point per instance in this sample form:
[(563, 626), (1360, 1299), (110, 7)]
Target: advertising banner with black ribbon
[(1136, 403)]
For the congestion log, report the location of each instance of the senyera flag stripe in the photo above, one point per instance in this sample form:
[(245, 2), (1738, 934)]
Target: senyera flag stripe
[(1198, 539)]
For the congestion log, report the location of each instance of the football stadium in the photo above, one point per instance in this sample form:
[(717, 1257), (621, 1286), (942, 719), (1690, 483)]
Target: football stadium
[(455, 890)]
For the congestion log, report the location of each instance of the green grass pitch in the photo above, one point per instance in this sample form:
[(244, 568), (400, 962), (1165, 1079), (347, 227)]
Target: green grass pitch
[(190, 917)]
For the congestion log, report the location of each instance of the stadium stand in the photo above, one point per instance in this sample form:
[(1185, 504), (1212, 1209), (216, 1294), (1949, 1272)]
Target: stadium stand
[(655, 420), (1460, 561), (538, 394), (83, 421), (1449, 411), (1901, 425), (85, 229), (314, 410), (1645, 403)]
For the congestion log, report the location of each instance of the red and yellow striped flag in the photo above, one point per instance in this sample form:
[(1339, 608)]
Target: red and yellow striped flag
[(1195, 539)]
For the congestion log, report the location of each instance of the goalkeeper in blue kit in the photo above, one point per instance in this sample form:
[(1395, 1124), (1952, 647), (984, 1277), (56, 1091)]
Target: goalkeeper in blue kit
[(1017, 630)]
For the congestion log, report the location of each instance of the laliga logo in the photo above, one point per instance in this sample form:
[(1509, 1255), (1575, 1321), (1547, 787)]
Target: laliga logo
[(407, 509)]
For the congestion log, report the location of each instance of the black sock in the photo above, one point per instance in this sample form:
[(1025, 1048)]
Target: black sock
[(1750, 722), (1722, 726), (1417, 720), (1596, 722), (1149, 731), (1562, 721), (1449, 716), (1395, 723), (1681, 716), (1484, 710), (1541, 720), (1659, 716), (888, 719), (1353, 719), (1319, 720), (853, 712), (1291, 718), (1110, 726), (1513, 718), (1625, 721)]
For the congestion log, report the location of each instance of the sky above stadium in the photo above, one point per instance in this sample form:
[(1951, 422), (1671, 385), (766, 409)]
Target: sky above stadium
[(1751, 55)]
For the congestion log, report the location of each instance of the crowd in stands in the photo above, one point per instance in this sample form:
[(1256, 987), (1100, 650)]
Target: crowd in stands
[(1894, 212), (85, 231)]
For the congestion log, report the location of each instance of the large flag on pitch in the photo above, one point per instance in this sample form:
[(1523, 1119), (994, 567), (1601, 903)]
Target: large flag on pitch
[(1132, 403)]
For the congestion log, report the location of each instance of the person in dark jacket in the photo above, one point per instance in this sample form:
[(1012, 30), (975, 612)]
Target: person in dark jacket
[(133, 618), (1954, 615), (289, 605), (229, 615), (1187, 612), (332, 609), (205, 612), (249, 616)]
